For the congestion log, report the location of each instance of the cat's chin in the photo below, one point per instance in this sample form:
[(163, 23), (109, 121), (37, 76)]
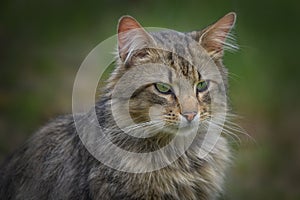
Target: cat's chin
[(187, 130)]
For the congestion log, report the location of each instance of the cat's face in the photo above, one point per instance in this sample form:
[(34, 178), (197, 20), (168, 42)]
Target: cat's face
[(181, 97)]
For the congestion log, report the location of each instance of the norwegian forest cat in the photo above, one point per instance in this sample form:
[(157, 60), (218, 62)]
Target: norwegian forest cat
[(55, 163)]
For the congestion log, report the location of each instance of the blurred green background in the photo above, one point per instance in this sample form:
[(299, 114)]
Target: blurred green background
[(42, 44)]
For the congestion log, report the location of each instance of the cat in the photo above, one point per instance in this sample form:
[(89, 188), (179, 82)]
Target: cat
[(56, 164)]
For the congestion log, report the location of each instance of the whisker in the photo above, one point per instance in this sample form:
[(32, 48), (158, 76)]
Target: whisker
[(233, 127), (227, 132)]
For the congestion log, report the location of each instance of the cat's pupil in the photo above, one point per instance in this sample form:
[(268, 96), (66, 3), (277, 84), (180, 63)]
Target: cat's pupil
[(202, 86), (163, 88)]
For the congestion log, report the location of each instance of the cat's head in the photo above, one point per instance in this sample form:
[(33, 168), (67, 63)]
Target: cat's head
[(175, 72)]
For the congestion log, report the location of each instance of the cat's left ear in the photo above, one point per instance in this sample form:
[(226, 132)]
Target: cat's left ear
[(131, 36), (213, 38)]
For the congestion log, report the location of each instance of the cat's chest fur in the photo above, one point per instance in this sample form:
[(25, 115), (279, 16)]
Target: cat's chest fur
[(189, 177)]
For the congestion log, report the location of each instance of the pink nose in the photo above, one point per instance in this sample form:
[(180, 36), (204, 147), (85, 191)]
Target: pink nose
[(189, 115)]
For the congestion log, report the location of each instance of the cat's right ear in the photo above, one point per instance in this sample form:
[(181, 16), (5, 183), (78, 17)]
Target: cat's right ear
[(214, 38), (131, 36)]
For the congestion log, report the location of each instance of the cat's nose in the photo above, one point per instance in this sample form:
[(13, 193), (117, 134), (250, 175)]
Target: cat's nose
[(189, 115)]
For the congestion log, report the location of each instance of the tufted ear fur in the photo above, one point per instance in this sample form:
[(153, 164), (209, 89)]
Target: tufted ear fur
[(214, 38), (131, 36)]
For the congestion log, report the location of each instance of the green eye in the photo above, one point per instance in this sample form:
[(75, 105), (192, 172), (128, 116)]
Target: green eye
[(163, 88), (202, 86)]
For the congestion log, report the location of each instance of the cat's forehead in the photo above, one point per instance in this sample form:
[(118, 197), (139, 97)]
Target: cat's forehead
[(181, 52), (168, 36), (176, 42)]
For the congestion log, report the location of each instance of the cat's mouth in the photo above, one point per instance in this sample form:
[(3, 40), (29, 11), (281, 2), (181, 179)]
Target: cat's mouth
[(184, 127)]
